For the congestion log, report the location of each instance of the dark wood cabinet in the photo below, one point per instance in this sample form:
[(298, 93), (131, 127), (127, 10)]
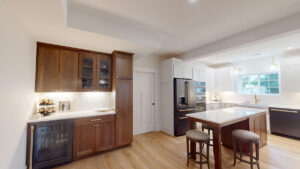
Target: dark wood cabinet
[(84, 141), (124, 132), (104, 73), (93, 135), (66, 69), (87, 71), (105, 136), (124, 65), (124, 100), (68, 72), (47, 69), (258, 125), (95, 71)]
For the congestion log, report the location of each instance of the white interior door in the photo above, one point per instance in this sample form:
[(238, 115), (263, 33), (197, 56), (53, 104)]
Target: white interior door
[(143, 102)]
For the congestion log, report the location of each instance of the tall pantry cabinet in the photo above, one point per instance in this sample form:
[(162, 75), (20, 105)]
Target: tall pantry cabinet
[(122, 77)]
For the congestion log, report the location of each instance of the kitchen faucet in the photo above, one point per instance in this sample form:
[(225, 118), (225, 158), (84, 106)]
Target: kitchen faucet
[(255, 99)]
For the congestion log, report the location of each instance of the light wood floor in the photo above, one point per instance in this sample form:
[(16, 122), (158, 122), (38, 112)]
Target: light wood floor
[(157, 150)]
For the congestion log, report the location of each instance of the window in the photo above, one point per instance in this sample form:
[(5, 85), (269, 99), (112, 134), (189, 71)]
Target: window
[(263, 84)]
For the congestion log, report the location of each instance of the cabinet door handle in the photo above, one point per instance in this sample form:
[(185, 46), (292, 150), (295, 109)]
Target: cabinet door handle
[(186, 110), (287, 111), (182, 118), (96, 120)]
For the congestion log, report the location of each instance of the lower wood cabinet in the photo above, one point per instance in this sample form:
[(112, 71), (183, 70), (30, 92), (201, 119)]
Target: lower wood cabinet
[(258, 125), (93, 135), (255, 123), (84, 141), (124, 129), (105, 136)]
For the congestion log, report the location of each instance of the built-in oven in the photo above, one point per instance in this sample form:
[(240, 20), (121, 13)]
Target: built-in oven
[(49, 143), (200, 88)]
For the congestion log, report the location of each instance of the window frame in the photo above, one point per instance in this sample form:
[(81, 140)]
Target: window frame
[(259, 86)]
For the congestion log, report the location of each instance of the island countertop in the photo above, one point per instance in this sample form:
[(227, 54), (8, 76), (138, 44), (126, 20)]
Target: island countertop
[(223, 116)]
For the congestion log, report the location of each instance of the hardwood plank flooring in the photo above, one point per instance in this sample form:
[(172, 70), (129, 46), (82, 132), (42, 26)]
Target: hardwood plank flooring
[(157, 150)]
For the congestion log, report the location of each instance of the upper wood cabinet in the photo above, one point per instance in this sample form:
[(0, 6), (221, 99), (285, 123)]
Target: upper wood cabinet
[(56, 69), (68, 72), (47, 69), (66, 69), (95, 71), (123, 65), (87, 71), (104, 73)]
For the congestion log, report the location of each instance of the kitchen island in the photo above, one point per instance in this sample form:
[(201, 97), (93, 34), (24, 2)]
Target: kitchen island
[(224, 121)]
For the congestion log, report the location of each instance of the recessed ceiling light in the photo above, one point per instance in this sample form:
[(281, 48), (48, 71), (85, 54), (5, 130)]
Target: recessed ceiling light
[(290, 47), (192, 1), (256, 54)]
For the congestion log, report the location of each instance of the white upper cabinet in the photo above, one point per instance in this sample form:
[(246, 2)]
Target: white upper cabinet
[(182, 69), (210, 79), (290, 68), (199, 72), (224, 79)]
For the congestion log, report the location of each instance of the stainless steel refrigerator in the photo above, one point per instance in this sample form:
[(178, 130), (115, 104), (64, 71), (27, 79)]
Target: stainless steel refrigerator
[(189, 97)]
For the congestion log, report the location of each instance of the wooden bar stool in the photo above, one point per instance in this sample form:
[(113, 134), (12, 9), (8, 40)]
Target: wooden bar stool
[(209, 130), (201, 138), (244, 136)]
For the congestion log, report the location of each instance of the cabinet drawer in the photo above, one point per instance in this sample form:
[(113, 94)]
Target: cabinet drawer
[(94, 119)]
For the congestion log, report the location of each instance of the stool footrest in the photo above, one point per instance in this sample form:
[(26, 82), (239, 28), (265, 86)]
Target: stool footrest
[(198, 162)]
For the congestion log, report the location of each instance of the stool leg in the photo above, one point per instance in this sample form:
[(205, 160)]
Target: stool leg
[(234, 151), (187, 151), (251, 154), (241, 152), (257, 154), (207, 154), (201, 145)]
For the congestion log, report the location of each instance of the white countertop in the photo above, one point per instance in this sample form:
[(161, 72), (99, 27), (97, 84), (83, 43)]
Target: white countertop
[(71, 115), (221, 116), (263, 106)]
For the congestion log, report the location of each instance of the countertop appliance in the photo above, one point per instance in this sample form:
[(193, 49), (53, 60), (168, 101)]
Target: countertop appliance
[(285, 122), (49, 143), (189, 97)]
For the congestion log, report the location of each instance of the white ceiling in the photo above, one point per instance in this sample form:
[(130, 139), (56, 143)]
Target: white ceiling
[(192, 25), (181, 26), (278, 47)]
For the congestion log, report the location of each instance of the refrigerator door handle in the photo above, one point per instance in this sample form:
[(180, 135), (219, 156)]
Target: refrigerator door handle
[(186, 90)]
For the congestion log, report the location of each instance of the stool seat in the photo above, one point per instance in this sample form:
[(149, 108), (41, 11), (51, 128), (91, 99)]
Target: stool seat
[(250, 138), (246, 136), (197, 135), (202, 138)]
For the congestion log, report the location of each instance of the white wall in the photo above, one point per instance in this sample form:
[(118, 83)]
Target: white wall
[(17, 72), (151, 64)]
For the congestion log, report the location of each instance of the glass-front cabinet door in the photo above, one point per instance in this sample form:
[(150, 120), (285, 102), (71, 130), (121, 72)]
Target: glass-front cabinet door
[(87, 71), (104, 73)]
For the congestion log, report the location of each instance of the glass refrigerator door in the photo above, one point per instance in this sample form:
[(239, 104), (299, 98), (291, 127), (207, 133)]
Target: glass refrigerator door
[(51, 141)]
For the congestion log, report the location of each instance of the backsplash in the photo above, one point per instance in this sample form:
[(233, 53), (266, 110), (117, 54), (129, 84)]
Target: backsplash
[(284, 99), (79, 100)]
